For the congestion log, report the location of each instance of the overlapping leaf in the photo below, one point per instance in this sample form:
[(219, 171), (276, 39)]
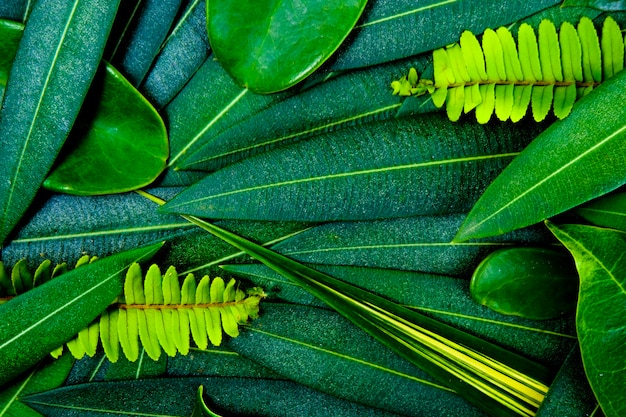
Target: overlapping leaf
[(608, 211)]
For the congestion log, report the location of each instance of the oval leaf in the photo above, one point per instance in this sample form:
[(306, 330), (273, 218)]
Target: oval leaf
[(118, 144), (575, 160), (255, 43)]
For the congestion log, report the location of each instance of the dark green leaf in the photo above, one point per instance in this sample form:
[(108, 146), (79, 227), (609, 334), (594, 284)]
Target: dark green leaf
[(254, 43), (608, 211), (413, 243), (551, 176), (16, 10), (63, 41), (155, 397), (606, 5), (10, 35), (288, 339), (599, 256), (536, 283), (119, 142), (444, 298), (181, 54), (394, 168), (39, 321), (47, 375), (391, 30)]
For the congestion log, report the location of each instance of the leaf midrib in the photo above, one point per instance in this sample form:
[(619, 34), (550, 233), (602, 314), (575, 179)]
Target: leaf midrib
[(407, 13)]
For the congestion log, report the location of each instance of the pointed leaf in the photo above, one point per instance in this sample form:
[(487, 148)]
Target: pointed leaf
[(545, 186), (254, 43), (54, 312), (39, 104)]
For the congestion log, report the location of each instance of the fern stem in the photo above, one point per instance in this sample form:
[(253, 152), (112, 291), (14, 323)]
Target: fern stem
[(524, 83), (176, 306)]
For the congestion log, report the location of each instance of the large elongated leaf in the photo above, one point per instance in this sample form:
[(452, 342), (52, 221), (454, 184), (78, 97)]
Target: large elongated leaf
[(394, 168), (255, 43), (39, 321), (181, 54), (421, 243), (391, 30), (237, 396), (599, 256), (288, 339), (608, 211), (573, 161), (444, 298), (62, 41), (16, 10)]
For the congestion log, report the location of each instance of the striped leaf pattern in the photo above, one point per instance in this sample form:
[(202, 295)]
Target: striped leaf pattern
[(545, 70)]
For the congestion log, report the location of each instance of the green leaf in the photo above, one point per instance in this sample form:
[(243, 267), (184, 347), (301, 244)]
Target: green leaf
[(107, 155), (39, 104), (536, 283), (239, 396), (601, 309), (10, 33), (16, 10), (201, 409), (393, 168), (607, 5), (47, 375), (549, 177), (253, 43), (39, 321), (608, 211)]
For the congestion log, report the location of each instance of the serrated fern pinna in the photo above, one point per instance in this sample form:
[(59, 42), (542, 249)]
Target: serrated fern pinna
[(548, 70)]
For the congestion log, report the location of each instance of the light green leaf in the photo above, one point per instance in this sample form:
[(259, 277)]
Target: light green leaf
[(601, 309), (612, 48), (118, 144), (591, 53), (39, 321), (201, 409), (608, 211), (399, 167), (253, 43), (535, 186), (39, 104)]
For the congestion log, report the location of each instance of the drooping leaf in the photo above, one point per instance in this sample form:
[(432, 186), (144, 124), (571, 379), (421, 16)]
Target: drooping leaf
[(39, 321), (608, 211), (393, 168), (118, 144), (421, 243), (536, 283), (394, 30), (183, 51), (254, 43), (47, 375), (10, 35), (238, 396), (601, 309), (573, 161)]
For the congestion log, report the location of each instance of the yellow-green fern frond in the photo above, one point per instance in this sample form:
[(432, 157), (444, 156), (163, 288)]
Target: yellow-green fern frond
[(544, 70)]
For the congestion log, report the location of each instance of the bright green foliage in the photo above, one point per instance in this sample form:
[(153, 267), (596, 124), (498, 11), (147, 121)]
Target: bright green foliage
[(10, 33), (548, 70), (156, 313), (608, 211), (201, 409)]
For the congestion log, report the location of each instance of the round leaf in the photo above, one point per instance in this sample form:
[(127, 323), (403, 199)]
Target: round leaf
[(269, 45), (533, 283), (118, 144)]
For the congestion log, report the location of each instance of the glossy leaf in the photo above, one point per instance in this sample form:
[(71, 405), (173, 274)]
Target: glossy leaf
[(39, 321), (254, 43), (39, 104), (601, 308), (393, 168), (535, 283), (119, 142), (535, 186), (237, 396), (608, 211), (10, 33), (420, 243)]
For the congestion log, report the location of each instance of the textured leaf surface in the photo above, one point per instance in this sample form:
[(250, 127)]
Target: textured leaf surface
[(39, 321), (422, 243), (238, 396), (289, 338), (254, 43), (607, 5), (118, 144), (444, 298), (608, 211), (535, 186), (399, 29), (63, 40), (16, 10), (383, 169), (601, 308), (10, 33)]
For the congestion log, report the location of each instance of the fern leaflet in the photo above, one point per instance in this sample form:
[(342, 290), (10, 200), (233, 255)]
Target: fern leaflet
[(544, 71)]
